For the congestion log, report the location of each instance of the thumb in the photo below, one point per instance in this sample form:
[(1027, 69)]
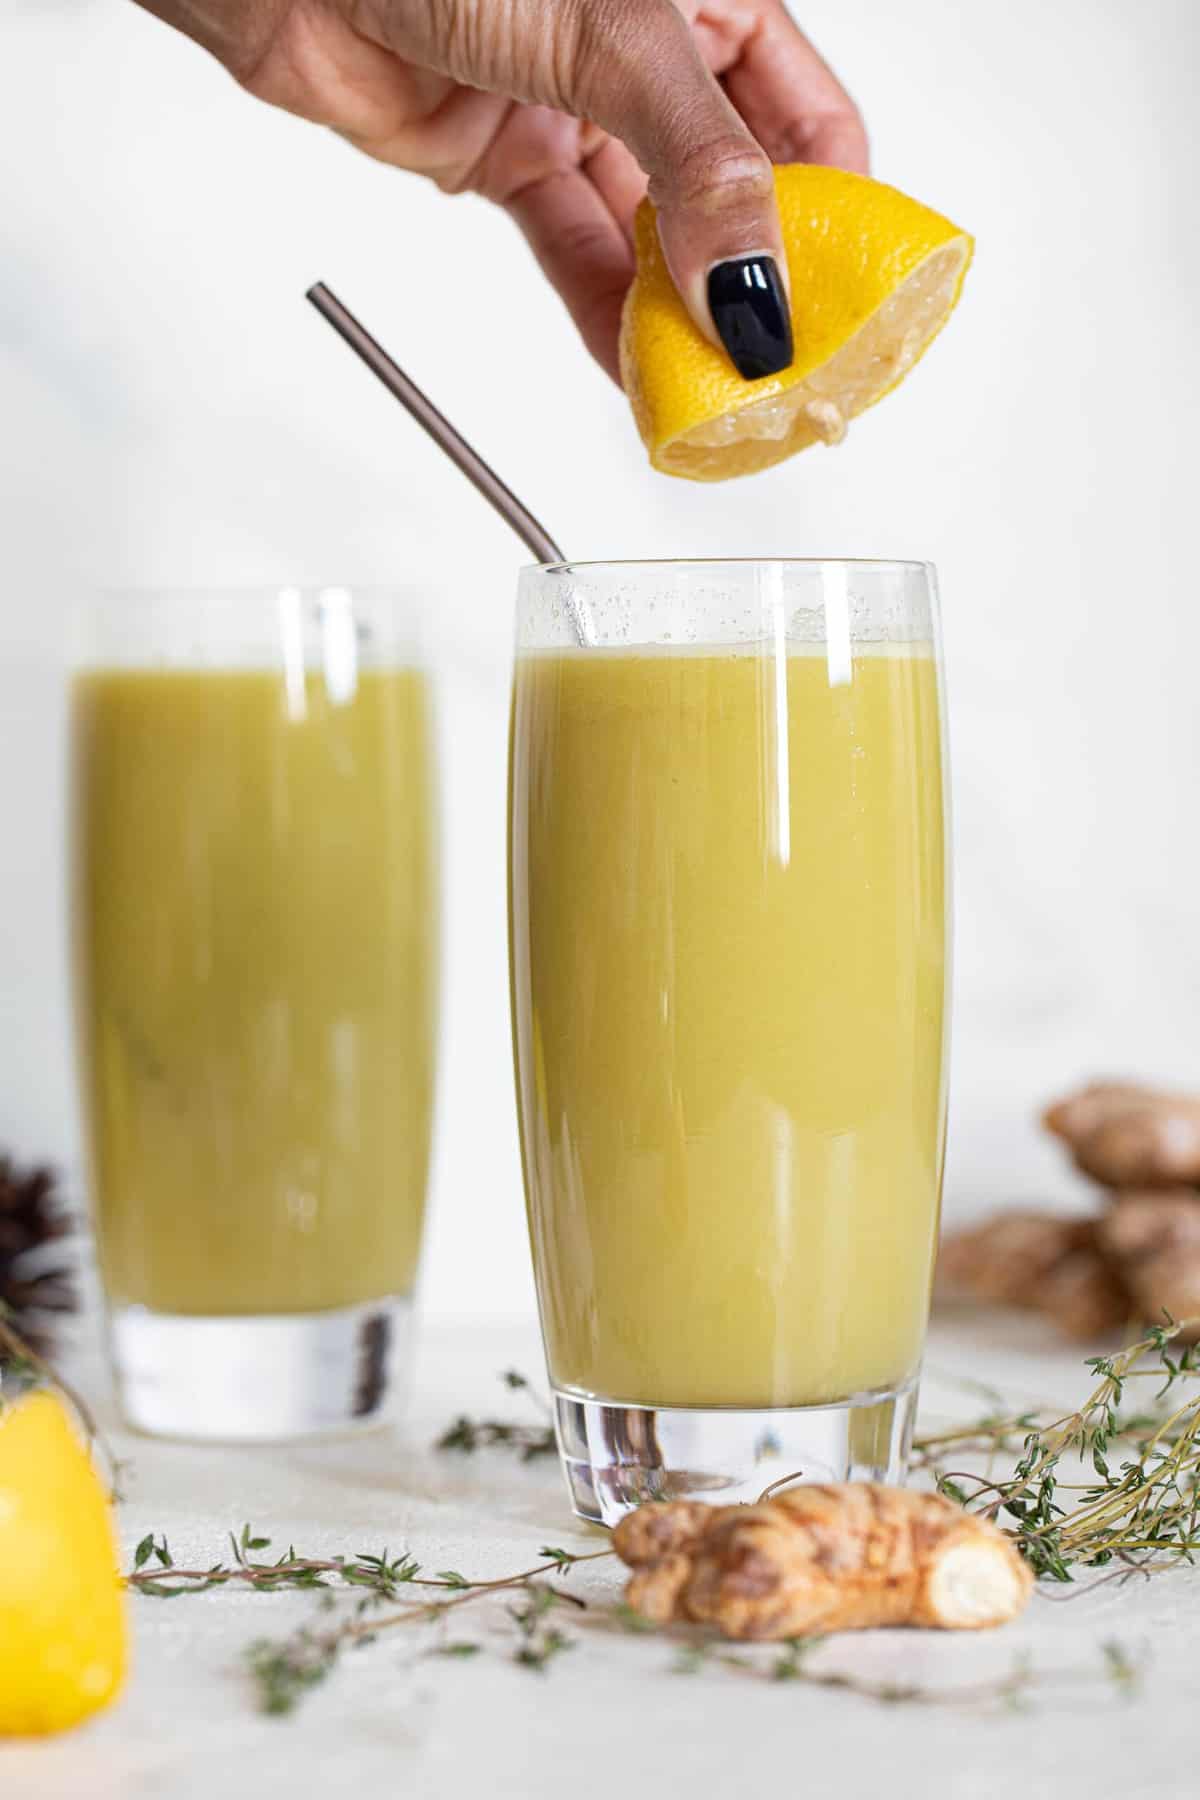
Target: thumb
[(642, 78)]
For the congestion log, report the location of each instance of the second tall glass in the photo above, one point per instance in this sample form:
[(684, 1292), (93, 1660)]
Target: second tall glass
[(729, 943), (255, 921)]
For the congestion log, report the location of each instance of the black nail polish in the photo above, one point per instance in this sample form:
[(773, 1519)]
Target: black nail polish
[(750, 312)]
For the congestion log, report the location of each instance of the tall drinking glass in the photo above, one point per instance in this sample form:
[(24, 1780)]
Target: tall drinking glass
[(728, 897), (255, 935)]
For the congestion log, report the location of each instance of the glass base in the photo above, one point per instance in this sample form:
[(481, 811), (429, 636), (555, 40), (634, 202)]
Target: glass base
[(260, 1378), (616, 1456)]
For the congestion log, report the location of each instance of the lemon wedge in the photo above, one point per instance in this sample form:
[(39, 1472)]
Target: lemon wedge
[(63, 1632), (874, 277)]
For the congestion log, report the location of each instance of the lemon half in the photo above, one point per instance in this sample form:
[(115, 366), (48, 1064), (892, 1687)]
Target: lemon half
[(874, 277), (63, 1631)]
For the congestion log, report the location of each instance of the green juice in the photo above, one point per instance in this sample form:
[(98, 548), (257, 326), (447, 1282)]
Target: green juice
[(255, 924), (728, 949)]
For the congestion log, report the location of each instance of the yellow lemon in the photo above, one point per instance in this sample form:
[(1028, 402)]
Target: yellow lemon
[(874, 277), (63, 1632)]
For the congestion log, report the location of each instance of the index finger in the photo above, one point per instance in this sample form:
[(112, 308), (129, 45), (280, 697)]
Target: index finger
[(785, 90), (584, 253)]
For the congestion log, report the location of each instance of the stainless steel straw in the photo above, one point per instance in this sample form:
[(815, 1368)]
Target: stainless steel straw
[(443, 433)]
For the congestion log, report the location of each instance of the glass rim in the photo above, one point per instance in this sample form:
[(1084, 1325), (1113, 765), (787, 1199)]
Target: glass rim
[(897, 563), (251, 626)]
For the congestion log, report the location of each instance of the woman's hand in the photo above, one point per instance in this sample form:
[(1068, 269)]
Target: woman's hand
[(562, 111)]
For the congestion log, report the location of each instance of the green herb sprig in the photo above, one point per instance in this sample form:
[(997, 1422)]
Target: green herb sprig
[(1013, 1691), (1068, 1503), (539, 1638), (285, 1669), (528, 1440), (156, 1573)]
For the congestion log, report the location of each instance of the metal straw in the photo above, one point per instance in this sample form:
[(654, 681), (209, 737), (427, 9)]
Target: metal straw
[(443, 433)]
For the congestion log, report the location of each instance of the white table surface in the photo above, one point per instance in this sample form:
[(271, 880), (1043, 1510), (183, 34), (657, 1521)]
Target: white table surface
[(609, 1720)]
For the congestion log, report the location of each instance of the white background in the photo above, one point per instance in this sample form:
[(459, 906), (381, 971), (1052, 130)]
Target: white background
[(171, 411)]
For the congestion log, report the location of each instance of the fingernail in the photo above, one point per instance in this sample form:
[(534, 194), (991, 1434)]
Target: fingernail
[(750, 312)]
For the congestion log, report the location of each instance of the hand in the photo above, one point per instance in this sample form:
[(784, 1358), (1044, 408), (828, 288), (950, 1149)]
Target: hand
[(562, 111)]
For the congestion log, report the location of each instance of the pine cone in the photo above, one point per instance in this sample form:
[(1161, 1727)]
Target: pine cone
[(33, 1287)]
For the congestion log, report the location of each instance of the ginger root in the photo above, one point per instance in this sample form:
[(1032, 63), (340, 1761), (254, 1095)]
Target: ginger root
[(1138, 1261), (1154, 1239), (1125, 1136), (1040, 1263), (846, 1557)]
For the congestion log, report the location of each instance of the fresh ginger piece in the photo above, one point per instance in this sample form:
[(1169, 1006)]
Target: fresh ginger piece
[(1126, 1136), (820, 1559), (1080, 1113), (1037, 1261), (1154, 1239), (1004, 1258), (1085, 1294)]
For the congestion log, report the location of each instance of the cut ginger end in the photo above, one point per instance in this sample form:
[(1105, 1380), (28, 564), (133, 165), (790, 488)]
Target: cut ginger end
[(975, 1584), (821, 1559), (818, 408)]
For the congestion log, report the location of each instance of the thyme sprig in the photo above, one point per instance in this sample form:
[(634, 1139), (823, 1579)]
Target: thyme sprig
[(1064, 1502), (529, 1440), (539, 1638), (285, 1669), (792, 1662), (155, 1571)]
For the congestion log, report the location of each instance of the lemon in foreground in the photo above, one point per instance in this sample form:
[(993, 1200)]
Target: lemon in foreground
[(874, 277), (63, 1642)]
